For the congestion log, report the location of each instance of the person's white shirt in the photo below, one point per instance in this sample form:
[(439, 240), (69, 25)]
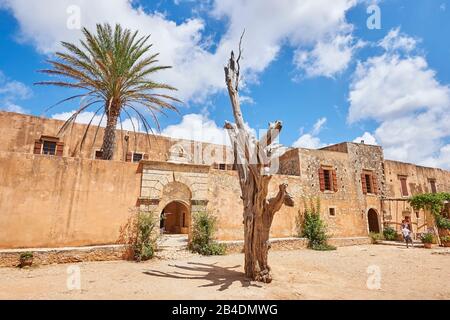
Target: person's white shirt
[(406, 232)]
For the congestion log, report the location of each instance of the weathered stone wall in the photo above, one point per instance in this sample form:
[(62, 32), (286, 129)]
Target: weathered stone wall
[(350, 204), (55, 202), (418, 179), (18, 133), (396, 206)]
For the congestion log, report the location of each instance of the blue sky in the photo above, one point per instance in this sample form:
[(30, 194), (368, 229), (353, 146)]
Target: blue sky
[(314, 64)]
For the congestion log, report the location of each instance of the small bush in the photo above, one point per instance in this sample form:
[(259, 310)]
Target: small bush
[(202, 236), (427, 238), (314, 229), (442, 222), (26, 259), (376, 237), (140, 235), (26, 255), (390, 234), (445, 239)]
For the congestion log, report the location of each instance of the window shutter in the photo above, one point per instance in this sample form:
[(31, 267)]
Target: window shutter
[(37, 147), (322, 179), (374, 184), (335, 181), (60, 149), (363, 182), (146, 157), (404, 187), (129, 157)]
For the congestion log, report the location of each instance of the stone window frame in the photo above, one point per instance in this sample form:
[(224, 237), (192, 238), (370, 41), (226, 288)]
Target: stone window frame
[(130, 156), (433, 185), (95, 154), (334, 208), (404, 192), (334, 188), (39, 146), (373, 182)]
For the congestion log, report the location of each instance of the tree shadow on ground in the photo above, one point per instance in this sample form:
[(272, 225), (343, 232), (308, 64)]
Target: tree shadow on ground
[(222, 277)]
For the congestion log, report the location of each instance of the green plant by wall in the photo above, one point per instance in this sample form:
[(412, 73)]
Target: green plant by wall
[(427, 238), (314, 228), (375, 237), (390, 234), (433, 202), (141, 235), (202, 235), (26, 259)]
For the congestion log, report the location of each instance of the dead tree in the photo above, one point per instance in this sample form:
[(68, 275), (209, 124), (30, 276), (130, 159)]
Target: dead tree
[(253, 161)]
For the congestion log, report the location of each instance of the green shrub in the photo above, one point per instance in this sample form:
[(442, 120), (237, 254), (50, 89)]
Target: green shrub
[(427, 238), (140, 235), (390, 234), (445, 239), (146, 237), (433, 202), (26, 255), (202, 236), (442, 222), (376, 237), (314, 228)]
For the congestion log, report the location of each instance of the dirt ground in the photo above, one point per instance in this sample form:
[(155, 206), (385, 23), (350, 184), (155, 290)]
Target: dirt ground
[(343, 274)]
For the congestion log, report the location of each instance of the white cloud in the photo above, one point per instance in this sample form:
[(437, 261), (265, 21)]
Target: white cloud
[(318, 126), (198, 71), (197, 127), (86, 117), (327, 58), (311, 140), (400, 92), (12, 91), (308, 141), (368, 138), (395, 40)]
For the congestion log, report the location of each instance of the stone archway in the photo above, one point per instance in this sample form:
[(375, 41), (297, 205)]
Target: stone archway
[(176, 218), (373, 221)]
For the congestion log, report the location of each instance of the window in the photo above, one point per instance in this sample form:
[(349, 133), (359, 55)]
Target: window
[(404, 186), (48, 145), (137, 157), (369, 182), (98, 155), (433, 186), (332, 212), (49, 148), (222, 166), (328, 179)]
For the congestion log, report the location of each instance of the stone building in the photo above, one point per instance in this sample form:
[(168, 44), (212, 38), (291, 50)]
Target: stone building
[(53, 193)]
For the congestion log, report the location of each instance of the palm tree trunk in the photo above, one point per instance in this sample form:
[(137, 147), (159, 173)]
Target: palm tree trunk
[(109, 139)]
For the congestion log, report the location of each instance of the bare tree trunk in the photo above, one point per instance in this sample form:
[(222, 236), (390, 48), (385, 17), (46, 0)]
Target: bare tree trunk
[(252, 158), (109, 139)]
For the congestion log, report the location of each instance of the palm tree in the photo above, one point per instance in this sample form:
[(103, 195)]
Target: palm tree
[(112, 69)]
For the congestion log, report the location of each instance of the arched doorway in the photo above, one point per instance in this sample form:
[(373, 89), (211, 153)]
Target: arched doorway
[(176, 218), (374, 224)]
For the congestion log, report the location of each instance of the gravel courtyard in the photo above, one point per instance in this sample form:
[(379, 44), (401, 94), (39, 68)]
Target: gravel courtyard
[(343, 274)]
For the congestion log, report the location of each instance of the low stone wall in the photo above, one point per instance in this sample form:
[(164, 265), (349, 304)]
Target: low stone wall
[(11, 258), (286, 244)]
